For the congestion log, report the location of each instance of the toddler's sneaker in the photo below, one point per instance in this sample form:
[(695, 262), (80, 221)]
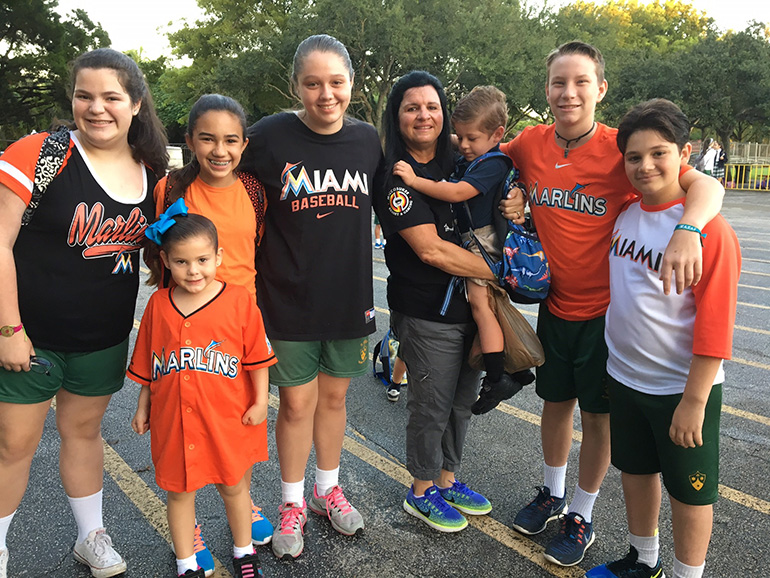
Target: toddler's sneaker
[(434, 511), (247, 567), (378, 244), (97, 553), (4, 563), (394, 391), (202, 554), (287, 538), (261, 528), (628, 567), (534, 517), (464, 499), (570, 544), (193, 573), (335, 506), (493, 392)]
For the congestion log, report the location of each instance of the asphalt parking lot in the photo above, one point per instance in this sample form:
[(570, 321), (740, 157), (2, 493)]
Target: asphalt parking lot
[(502, 461)]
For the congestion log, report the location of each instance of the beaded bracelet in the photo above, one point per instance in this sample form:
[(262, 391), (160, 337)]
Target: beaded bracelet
[(692, 229)]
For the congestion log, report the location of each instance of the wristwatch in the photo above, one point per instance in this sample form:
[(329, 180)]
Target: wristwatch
[(10, 330)]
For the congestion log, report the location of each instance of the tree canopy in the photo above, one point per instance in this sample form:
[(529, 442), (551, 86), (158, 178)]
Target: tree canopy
[(244, 49), (35, 47)]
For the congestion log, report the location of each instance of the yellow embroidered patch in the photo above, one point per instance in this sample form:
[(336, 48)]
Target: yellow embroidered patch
[(697, 480)]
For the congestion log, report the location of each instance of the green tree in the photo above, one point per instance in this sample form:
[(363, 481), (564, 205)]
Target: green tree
[(246, 49), (35, 48)]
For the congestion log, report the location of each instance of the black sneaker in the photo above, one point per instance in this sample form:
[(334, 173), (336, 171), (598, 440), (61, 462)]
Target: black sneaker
[(247, 567), (493, 392), (394, 391), (570, 544), (524, 377), (534, 517), (199, 573), (628, 567)]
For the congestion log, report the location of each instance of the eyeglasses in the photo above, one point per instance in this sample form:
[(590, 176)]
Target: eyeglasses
[(40, 365)]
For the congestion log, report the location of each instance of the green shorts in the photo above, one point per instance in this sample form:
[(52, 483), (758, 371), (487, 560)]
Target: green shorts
[(641, 445), (90, 374), (299, 362), (575, 361)]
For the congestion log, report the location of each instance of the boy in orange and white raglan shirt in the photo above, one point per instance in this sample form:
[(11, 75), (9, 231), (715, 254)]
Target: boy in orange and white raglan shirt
[(666, 352), (577, 187)]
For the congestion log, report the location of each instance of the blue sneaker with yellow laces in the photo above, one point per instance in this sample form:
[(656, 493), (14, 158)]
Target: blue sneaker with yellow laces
[(432, 509), (466, 500)]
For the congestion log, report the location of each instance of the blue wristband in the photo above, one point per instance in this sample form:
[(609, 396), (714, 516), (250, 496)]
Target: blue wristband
[(691, 228)]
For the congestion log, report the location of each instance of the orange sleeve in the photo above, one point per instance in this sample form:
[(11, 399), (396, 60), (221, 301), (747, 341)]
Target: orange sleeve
[(17, 165), (258, 352), (716, 294)]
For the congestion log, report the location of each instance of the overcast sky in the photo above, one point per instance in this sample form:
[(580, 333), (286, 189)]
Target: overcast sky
[(143, 23)]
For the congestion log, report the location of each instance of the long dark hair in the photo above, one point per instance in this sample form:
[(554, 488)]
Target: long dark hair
[(395, 147), (146, 135), (182, 178)]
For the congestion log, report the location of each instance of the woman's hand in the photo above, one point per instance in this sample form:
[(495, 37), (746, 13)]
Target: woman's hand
[(405, 171), (15, 351), (684, 259), (256, 414), (512, 205)]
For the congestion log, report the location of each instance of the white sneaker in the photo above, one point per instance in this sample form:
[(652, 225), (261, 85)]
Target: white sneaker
[(97, 553), (4, 563)]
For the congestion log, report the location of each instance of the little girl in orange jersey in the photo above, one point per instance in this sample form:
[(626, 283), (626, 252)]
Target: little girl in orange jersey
[(235, 202), (202, 355)]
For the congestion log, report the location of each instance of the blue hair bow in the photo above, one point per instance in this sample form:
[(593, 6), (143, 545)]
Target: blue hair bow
[(165, 221)]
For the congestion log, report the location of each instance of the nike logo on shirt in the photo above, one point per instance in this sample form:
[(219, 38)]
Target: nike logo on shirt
[(558, 166), (321, 216)]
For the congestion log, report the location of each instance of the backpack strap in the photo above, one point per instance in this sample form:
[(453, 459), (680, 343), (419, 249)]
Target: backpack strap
[(49, 163), (256, 191), (485, 156)]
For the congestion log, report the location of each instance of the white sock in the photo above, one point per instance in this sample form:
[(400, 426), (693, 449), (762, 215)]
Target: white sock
[(186, 564), (241, 552), (682, 570), (554, 478), (648, 548), (325, 480), (293, 492), (582, 503), (88, 514), (5, 523)]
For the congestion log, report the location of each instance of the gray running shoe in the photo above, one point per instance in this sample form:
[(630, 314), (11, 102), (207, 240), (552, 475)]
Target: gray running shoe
[(288, 537), (335, 506)]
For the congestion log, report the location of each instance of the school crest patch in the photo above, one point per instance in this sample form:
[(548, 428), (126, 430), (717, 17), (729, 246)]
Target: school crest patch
[(697, 480)]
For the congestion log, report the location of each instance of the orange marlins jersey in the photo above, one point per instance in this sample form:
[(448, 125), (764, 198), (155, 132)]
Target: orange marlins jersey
[(574, 202), (197, 368)]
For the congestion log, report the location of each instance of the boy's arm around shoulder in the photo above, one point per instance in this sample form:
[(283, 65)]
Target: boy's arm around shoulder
[(683, 257)]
